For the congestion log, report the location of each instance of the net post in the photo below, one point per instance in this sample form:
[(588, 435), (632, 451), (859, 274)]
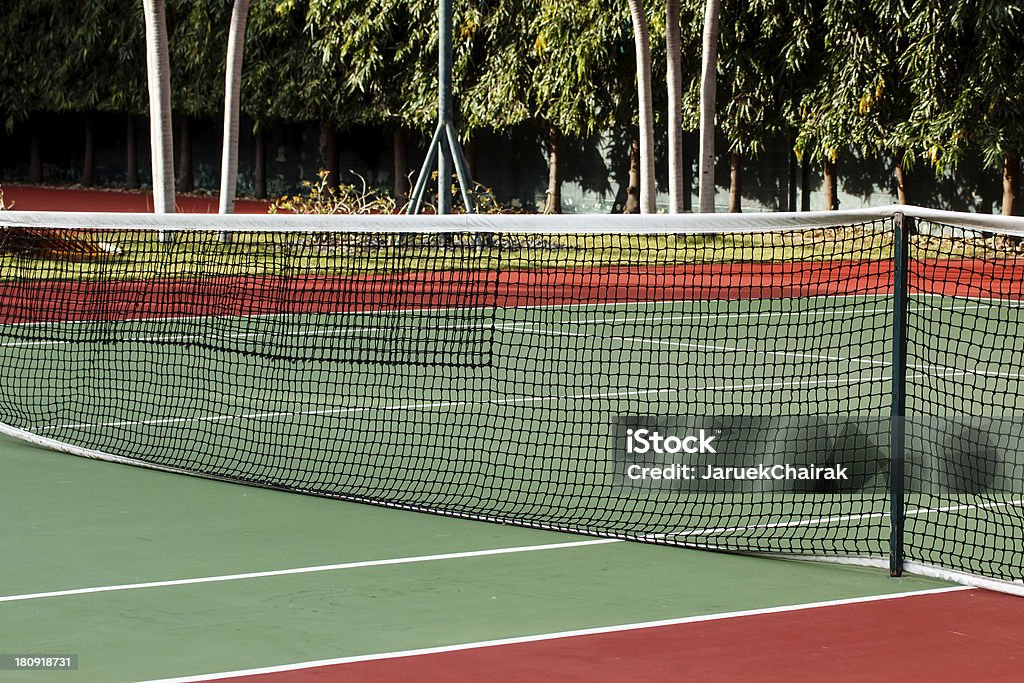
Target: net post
[(903, 226), (418, 192)]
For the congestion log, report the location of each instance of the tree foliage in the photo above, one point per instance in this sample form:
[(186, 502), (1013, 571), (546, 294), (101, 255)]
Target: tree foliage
[(908, 81), (964, 62)]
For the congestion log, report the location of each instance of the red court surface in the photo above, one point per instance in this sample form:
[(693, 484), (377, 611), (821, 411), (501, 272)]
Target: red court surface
[(33, 301), (34, 198), (964, 635)]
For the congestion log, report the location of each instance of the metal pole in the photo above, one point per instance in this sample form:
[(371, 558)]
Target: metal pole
[(902, 227), (416, 200), (445, 143), (444, 101), (461, 168)]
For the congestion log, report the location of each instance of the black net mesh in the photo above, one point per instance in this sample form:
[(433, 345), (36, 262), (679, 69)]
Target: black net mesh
[(965, 402), (491, 375)]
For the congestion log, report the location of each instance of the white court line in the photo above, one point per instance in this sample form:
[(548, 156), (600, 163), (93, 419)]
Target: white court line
[(206, 338), (438, 309), (981, 303), (710, 315), (701, 346), (303, 332), (297, 666), (947, 369), (815, 521), (774, 384), (800, 313), (307, 570), (990, 302)]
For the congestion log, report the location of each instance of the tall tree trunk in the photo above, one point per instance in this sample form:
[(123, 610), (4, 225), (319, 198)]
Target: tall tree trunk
[(708, 99), (641, 37), (35, 155), (131, 145), (89, 154), (901, 183), (675, 108), (805, 183), (831, 185), (400, 157), (735, 183), (469, 154), (633, 185), (330, 145), (687, 191), (1013, 202), (792, 184), (260, 172), (186, 180), (553, 200), (159, 79), (232, 100)]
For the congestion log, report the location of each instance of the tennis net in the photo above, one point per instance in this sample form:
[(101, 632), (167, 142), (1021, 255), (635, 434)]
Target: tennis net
[(839, 385)]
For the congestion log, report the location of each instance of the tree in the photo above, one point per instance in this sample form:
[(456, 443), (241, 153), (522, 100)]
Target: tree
[(109, 39), (122, 83), (554, 63), (364, 44), (709, 67), (648, 191), (24, 76), (963, 64), (294, 72), (280, 75), (762, 57), (863, 95), (159, 77), (197, 37), (54, 57), (232, 94)]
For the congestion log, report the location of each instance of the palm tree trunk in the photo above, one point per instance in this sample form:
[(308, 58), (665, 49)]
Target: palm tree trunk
[(553, 201), (400, 157), (831, 185), (35, 155), (1013, 203), (735, 183), (633, 184), (186, 179), (708, 97), (131, 153), (641, 37), (260, 172), (675, 109), (159, 78), (232, 98), (89, 155), (901, 183)]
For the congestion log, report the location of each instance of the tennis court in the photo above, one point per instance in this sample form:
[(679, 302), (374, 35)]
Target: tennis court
[(487, 394), (77, 524)]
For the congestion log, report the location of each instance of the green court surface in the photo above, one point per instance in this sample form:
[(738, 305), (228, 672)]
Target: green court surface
[(525, 435), (73, 523)]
